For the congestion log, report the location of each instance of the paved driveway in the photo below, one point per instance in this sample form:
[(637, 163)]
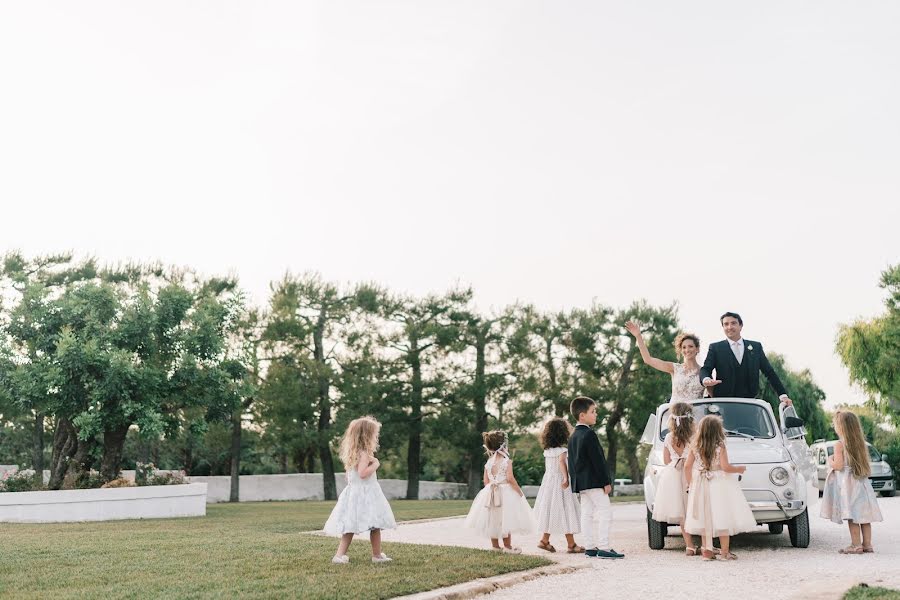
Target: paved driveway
[(768, 567)]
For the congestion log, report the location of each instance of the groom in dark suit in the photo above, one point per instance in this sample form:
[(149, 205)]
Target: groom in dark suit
[(737, 363)]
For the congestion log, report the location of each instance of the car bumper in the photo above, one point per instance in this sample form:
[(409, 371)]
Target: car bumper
[(768, 511), (880, 484)]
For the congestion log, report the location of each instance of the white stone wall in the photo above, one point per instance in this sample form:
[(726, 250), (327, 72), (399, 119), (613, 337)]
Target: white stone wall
[(63, 506), (308, 486), (620, 490)]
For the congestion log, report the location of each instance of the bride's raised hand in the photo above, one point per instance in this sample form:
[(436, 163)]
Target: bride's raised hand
[(634, 328)]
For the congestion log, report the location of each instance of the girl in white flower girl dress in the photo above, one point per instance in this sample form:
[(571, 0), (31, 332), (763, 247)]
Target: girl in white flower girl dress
[(500, 509), (555, 508), (716, 505), (361, 506), (670, 501)]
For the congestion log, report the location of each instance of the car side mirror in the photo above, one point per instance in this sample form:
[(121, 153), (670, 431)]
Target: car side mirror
[(790, 422)]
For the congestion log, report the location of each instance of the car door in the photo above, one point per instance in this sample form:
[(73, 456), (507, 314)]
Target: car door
[(795, 442)]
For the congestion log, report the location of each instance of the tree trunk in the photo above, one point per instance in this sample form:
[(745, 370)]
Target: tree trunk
[(324, 426), (559, 405), (37, 459), (615, 416), (476, 458), (65, 443), (235, 455), (188, 453), (634, 465), (414, 449), (78, 468), (113, 445)]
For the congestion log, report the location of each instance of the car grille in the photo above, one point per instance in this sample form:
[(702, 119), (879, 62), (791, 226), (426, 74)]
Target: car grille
[(878, 482)]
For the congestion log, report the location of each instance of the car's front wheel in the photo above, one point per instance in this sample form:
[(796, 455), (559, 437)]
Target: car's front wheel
[(656, 532), (798, 529), (776, 528)]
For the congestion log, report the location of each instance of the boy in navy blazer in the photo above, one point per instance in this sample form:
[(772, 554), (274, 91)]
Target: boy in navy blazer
[(589, 476)]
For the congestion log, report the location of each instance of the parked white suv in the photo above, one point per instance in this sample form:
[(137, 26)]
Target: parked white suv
[(882, 476), (777, 460)]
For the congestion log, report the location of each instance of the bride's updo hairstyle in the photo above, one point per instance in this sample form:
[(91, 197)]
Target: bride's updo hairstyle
[(681, 423), (684, 335)]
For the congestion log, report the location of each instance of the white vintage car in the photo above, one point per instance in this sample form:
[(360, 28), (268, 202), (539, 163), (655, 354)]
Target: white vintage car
[(777, 459)]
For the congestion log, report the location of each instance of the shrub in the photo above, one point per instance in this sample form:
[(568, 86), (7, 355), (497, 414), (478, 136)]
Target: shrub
[(19, 481), (176, 478), (118, 483), (147, 474), (88, 481)]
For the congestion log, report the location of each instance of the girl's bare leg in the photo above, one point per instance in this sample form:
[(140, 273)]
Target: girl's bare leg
[(495, 542), (855, 536), (866, 535), (507, 541), (725, 543), (688, 539), (546, 538), (570, 540), (344, 544), (375, 538)]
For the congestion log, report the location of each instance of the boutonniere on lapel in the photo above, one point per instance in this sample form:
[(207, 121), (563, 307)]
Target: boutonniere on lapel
[(749, 347)]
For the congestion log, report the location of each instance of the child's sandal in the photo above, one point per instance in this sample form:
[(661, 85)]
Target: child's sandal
[(513, 550), (691, 551), (576, 549), (727, 556), (868, 549), (851, 550), (707, 554), (546, 546)]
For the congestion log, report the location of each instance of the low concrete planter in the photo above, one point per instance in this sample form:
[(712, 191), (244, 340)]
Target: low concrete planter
[(308, 486), (64, 506)]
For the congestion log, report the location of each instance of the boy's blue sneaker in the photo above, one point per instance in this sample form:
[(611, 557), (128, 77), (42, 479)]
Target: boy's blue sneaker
[(592, 552), (609, 554)]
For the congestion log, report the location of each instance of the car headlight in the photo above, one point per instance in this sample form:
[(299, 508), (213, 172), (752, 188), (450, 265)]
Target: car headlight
[(779, 476)]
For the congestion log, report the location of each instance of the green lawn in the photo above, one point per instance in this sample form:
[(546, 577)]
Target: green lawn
[(252, 550), (872, 593)]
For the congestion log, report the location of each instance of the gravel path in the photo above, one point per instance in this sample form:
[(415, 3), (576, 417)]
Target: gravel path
[(768, 567)]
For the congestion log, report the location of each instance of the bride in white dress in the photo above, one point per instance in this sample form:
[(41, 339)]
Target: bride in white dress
[(686, 385)]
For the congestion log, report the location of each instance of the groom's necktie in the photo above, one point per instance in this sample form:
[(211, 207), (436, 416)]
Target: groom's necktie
[(738, 349)]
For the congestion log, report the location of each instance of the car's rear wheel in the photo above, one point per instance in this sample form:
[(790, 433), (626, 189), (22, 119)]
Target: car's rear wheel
[(776, 528), (656, 532), (888, 494), (798, 529)]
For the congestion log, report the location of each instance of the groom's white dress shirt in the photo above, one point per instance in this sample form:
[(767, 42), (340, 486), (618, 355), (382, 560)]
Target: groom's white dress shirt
[(738, 349)]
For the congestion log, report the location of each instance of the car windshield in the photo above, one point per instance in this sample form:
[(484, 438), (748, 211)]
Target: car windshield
[(874, 455), (747, 419)]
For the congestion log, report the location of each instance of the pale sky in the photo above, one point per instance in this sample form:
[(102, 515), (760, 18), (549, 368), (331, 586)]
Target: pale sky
[(727, 156)]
